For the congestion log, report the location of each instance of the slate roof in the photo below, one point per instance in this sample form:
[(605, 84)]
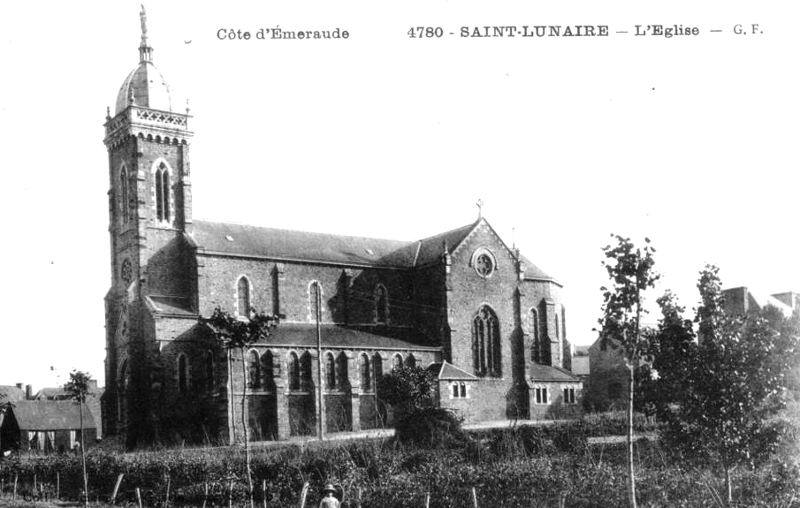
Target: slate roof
[(11, 393), (581, 350), (449, 372), (550, 373), (432, 248), (533, 272), (58, 393), (305, 335), (51, 415), (288, 245), (236, 239), (174, 305), (581, 366)]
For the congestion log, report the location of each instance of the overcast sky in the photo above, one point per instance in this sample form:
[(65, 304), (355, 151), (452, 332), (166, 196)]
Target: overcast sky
[(691, 141)]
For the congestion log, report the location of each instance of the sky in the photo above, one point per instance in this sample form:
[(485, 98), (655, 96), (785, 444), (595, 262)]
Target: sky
[(690, 141)]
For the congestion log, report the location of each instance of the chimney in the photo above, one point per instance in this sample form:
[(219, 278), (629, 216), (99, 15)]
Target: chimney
[(28, 392), (19, 385)]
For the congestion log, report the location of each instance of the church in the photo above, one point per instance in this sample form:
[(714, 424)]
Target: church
[(482, 317)]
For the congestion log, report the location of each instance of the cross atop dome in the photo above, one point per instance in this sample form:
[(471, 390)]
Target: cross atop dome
[(145, 50)]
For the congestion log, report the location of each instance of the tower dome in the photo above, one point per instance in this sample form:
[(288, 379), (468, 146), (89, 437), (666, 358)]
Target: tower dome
[(145, 86)]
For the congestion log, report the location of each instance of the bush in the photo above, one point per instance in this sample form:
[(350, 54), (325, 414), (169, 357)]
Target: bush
[(430, 427)]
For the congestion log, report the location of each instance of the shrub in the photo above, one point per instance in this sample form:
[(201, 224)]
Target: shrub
[(430, 427)]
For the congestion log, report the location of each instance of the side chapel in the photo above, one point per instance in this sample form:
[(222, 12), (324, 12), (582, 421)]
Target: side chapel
[(484, 318)]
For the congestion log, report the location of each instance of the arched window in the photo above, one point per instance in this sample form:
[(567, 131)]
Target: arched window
[(486, 343), (123, 187), (123, 377), (253, 369), (209, 371), (533, 331), (397, 362), (330, 372), (183, 374), (315, 301), (243, 297), (122, 389), (306, 379), (162, 193), (558, 328), (268, 370), (342, 376), (366, 375), (381, 305), (377, 365), (540, 346), (411, 361), (294, 371)]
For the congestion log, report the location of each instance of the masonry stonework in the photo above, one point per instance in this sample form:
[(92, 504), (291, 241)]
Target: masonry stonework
[(460, 302)]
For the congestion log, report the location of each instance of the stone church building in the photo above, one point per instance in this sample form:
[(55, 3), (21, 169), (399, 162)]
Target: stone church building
[(487, 320)]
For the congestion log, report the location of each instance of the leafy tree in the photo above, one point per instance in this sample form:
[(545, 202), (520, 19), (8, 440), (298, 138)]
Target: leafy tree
[(411, 391), (407, 389), (735, 381), (631, 272), (670, 346), (77, 389), (236, 333)]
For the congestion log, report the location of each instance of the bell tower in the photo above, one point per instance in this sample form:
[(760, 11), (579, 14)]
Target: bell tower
[(149, 205)]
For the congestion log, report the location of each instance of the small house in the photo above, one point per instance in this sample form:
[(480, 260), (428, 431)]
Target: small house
[(46, 426)]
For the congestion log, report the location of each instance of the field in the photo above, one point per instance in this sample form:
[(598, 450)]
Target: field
[(512, 467)]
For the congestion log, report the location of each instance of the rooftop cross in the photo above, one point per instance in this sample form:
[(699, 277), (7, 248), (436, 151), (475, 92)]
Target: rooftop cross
[(479, 204), (145, 50)]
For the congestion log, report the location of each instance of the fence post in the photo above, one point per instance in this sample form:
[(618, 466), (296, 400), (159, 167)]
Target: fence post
[(303, 494), (139, 497), (264, 491), (14, 497), (166, 498), (205, 493), (427, 500), (116, 488), (58, 485), (474, 498)]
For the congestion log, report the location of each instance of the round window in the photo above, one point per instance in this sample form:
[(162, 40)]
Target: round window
[(484, 265)]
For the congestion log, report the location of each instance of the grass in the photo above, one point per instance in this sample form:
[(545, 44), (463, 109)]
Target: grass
[(524, 466)]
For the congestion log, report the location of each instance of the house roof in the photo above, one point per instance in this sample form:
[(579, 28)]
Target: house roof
[(283, 244), (339, 336), (581, 366), (58, 393), (51, 415), (551, 373), (449, 372), (11, 393), (581, 350)]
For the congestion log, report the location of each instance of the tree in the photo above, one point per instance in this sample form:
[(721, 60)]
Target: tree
[(236, 333), (411, 393), (407, 389), (670, 347), (631, 272), (736, 379), (77, 389)]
